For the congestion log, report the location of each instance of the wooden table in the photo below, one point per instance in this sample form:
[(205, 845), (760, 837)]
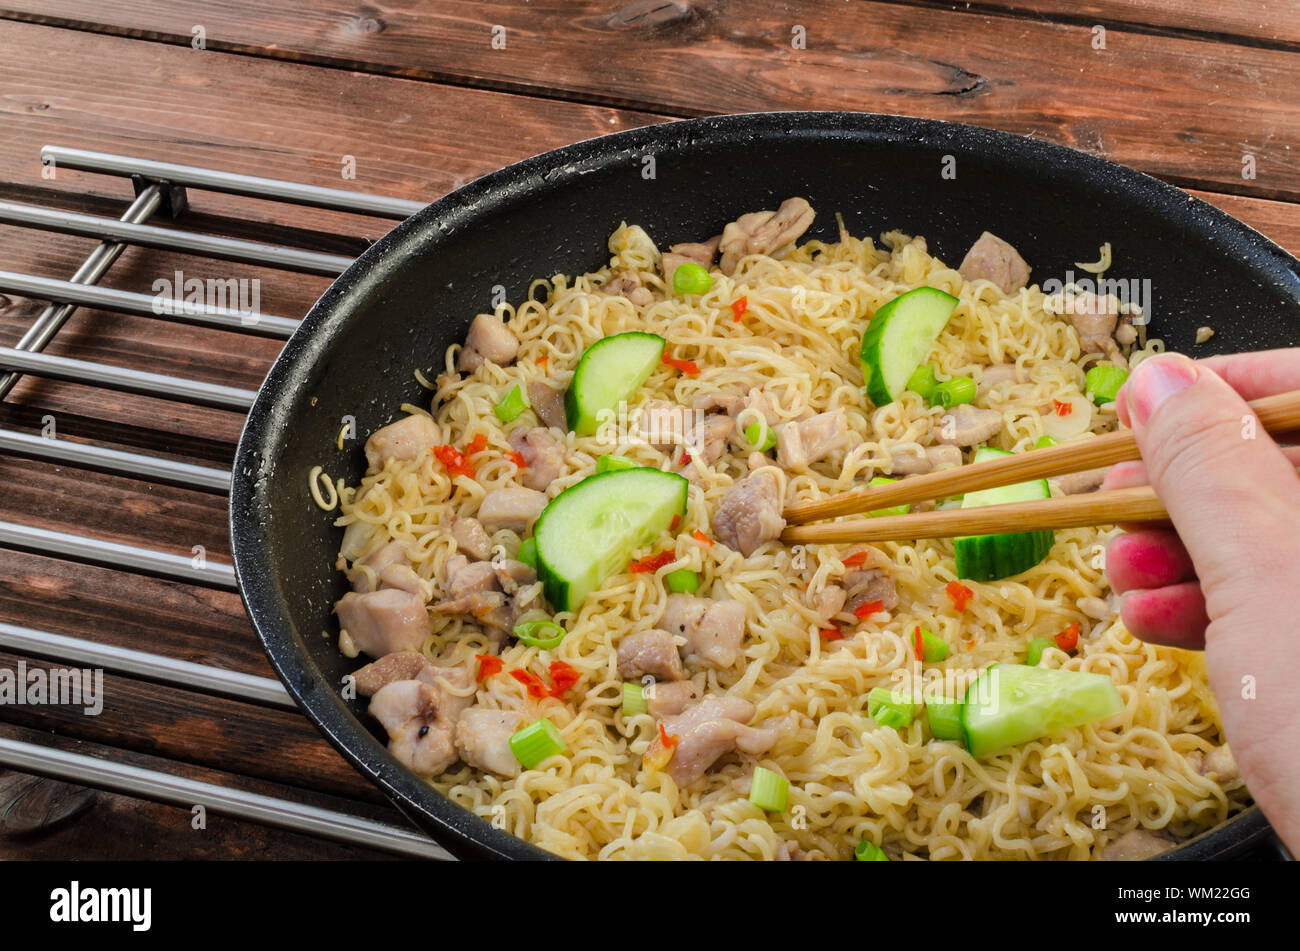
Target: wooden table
[(419, 97)]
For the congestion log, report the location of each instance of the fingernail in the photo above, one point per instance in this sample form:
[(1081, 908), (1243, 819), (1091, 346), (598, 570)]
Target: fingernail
[(1155, 380)]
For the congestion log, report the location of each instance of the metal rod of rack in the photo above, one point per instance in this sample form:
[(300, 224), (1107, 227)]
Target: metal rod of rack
[(147, 305), (198, 569), (103, 459), (160, 187), (167, 670), (127, 380), (92, 269), (163, 787), (232, 183), (173, 239)]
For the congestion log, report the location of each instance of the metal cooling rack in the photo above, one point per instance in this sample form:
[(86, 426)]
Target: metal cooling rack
[(161, 188)]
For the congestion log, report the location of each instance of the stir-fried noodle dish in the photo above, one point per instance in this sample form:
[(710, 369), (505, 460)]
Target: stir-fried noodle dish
[(579, 619)]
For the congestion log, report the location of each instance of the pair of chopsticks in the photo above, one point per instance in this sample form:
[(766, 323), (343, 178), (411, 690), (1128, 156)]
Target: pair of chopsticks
[(1277, 414)]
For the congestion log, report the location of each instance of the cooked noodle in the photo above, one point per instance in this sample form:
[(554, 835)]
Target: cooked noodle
[(1063, 797)]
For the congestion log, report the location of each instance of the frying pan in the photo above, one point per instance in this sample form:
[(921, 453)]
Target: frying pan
[(414, 292)]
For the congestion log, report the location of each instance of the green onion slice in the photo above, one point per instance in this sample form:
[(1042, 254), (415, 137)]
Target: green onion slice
[(868, 851), (890, 709), (954, 392), (933, 647), (633, 699), (893, 509), (691, 279), (542, 634), (754, 435), (682, 581), (1034, 655), (1102, 383), (511, 405), (769, 791), (536, 742), (1045, 441)]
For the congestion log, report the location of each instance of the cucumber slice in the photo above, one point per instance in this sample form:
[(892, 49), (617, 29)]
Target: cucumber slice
[(610, 371), (898, 338), (944, 717), (1010, 704), (991, 557), (589, 531)]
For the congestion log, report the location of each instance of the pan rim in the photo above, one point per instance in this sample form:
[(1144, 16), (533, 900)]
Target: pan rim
[(457, 828)]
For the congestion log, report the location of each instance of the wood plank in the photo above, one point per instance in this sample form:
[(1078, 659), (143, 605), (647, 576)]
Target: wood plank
[(1180, 108), (124, 828), (185, 622), (114, 508), (279, 746), (262, 117), (1239, 21)]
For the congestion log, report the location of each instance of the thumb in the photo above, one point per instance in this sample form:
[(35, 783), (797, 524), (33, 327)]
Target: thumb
[(1230, 492)]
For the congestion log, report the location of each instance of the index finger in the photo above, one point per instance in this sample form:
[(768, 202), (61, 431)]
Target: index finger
[(1259, 373), (1253, 375)]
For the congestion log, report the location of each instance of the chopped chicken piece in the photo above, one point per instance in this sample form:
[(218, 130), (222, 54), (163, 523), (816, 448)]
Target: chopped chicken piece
[(454, 685), (718, 400), (1095, 325), (402, 665), (829, 601), (487, 592), (710, 728), (764, 232), (404, 578), (1220, 765), (664, 425), (1135, 845), (464, 577), (489, 339), (515, 509), (910, 460), (403, 440), (543, 456), (627, 284), (708, 440), (749, 515), (483, 739), (649, 652), (669, 698), (394, 553), (381, 622), (713, 629), (966, 425), (870, 584), (997, 375), (992, 259), (419, 736), (701, 253), (1076, 483), (799, 444), (471, 538)]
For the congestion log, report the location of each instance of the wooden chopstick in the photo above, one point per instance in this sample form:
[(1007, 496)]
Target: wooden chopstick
[(1138, 504), (1277, 414)]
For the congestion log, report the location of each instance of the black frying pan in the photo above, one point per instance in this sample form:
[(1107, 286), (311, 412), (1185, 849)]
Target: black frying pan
[(415, 291)]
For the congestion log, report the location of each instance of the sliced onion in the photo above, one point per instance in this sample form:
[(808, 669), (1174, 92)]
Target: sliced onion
[(356, 539), (1074, 424)]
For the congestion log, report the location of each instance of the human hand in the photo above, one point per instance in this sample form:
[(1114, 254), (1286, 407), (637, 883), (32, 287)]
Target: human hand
[(1223, 580)]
